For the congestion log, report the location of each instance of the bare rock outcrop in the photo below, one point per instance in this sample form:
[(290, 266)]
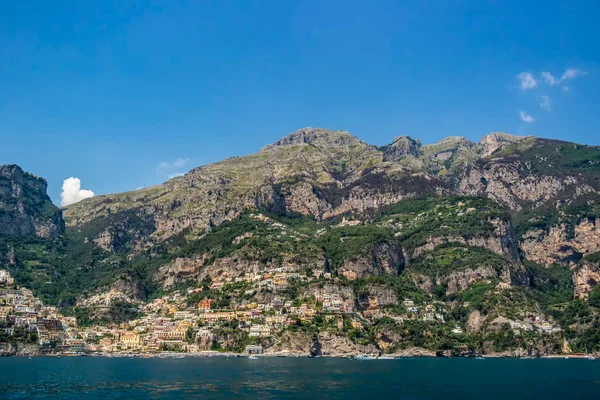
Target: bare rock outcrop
[(385, 258), (585, 277), (25, 208), (401, 147), (555, 245), (496, 140), (475, 321)]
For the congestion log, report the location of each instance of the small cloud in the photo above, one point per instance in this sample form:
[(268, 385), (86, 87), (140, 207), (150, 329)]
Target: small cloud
[(550, 79), (172, 169), (566, 89), (526, 117), (545, 103), (72, 192), (571, 73), (526, 80)]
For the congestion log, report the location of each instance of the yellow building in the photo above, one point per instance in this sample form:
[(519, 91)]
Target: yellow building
[(130, 340)]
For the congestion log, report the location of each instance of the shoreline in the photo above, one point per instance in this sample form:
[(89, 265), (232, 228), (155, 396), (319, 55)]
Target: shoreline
[(209, 354)]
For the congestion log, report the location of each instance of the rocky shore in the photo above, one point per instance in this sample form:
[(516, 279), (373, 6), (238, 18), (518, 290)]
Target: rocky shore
[(20, 350)]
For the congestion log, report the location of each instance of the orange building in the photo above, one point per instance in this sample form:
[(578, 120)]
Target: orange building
[(205, 304)]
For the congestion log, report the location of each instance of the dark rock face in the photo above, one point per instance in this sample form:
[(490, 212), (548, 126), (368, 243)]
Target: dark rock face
[(130, 285), (25, 208), (389, 257), (316, 348), (385, 258), (401, 147), (19, 349)]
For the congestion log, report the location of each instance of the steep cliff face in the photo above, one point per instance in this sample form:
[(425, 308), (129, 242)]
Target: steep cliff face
[(586, 276), (402, 147), (25, 208), (531, 172), (385, 258), (130, 285), (460, 280), (495, 141), (506, 182), (558, 246), (551, 188)]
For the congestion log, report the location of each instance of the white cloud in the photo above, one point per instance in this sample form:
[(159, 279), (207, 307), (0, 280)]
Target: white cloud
[(550, 79), (526, 117), (72, 192), (571, 73), (526, 80), (172, 169), (566, 89), (545, 103)]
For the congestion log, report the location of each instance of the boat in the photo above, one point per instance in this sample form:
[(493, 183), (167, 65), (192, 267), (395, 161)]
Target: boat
[(365, 357), (252, 358), (385, 358), (479, 358)]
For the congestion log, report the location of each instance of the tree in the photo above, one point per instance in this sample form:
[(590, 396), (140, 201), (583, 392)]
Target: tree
[(594, 297)]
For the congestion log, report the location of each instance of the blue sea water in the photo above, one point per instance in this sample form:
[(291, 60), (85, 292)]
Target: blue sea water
[(280, 378)]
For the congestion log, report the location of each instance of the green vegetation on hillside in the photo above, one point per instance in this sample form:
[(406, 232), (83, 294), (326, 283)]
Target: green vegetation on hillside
[(451, 257), (423, 218)]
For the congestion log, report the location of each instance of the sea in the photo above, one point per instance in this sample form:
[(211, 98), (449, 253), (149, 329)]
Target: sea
[(297, 378)]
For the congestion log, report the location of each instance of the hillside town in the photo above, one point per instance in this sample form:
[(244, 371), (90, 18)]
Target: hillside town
[(171, 324)]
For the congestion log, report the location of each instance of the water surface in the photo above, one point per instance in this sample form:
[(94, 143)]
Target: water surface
[(270, 378)]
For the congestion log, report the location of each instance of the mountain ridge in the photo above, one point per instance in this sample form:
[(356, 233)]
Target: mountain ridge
[(326, 179), (386, 240)]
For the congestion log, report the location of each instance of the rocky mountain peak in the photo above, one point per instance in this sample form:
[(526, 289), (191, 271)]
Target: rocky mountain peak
[(25, 208), (318, 137), (496, 140), (455, 141), (402, 146), (447, 148)]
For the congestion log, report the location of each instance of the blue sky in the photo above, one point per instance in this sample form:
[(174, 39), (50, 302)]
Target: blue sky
[(123, 95)]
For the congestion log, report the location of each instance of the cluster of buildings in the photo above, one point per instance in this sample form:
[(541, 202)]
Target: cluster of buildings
[(170, 323), (534, 323), (273, 278), (21, 313)]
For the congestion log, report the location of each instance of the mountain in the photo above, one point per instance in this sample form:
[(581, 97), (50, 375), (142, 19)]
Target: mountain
[(326, 174), (25, 208), (497, 233)]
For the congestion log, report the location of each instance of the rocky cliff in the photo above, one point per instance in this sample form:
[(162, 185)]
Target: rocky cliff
[(25, 208), (586, 276)]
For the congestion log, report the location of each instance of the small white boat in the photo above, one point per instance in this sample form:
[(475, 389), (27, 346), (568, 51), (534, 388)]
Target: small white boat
[(385, 358), (252, 358), (365, 357)]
